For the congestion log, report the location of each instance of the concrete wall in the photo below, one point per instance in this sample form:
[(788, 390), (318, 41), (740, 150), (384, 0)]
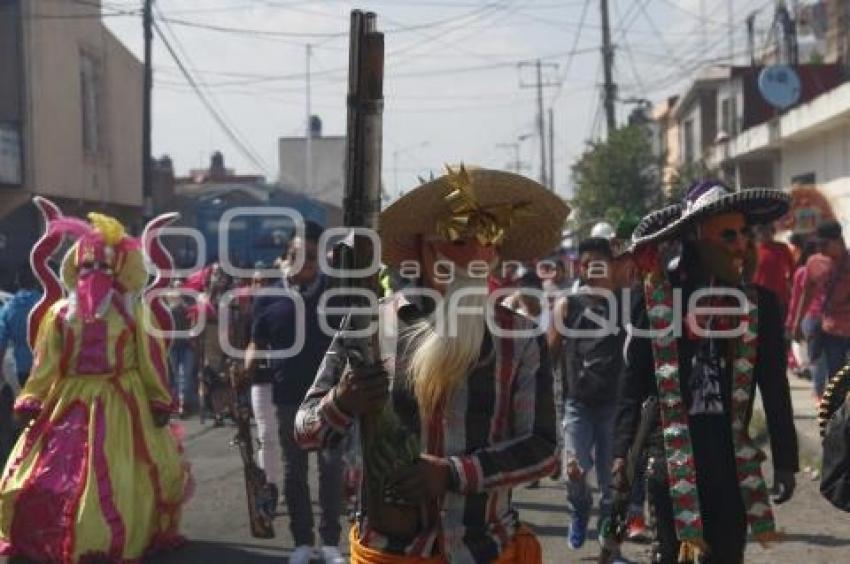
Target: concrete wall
[(55, 163), (828, 157), (59, 165)]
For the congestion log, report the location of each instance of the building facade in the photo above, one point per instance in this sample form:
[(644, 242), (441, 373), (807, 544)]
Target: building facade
[(70, 119)]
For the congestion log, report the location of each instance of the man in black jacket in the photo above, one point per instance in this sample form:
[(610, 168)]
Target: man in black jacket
[(587, 334), (281, 324), (705, 482)]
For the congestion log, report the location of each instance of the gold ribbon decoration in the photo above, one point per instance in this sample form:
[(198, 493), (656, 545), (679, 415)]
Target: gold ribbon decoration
[(467, 218)]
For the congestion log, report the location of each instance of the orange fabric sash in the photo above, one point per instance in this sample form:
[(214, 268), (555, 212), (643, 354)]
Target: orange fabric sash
[(524, 549)]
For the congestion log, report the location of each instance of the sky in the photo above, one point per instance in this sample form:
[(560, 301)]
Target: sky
[(457, 74)]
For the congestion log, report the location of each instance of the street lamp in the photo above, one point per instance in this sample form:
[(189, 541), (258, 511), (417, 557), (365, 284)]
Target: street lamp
[(517, 165), (396, 153)]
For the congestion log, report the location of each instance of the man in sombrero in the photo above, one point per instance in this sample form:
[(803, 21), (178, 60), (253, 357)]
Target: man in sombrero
[(469, 413), (705, 480)]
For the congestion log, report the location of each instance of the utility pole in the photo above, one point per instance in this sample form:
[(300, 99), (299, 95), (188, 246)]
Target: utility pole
[(610, 89), (541, 128), (308, 145), (552, 149), (147, 161), (751, 38), (730, 21)]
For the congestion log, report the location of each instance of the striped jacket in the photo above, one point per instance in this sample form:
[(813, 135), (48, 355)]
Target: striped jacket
[(498, 431)]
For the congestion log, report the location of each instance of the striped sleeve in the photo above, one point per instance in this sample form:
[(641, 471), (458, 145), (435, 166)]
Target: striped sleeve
[(529, 451), (319, 421)]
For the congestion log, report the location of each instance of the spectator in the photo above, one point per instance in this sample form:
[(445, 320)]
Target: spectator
[(807, 352), (833, 278), (275, 327), (13, 330), (181, 356), (775, 265), (262, 404), (592, 363)]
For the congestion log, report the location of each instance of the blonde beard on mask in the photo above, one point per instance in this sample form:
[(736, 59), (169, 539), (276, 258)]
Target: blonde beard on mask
[(448, 343)]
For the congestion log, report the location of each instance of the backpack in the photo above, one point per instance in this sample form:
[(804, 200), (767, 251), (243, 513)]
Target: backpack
[(592, 365)]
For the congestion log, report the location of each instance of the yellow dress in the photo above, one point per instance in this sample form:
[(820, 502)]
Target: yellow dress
[(92, 477)]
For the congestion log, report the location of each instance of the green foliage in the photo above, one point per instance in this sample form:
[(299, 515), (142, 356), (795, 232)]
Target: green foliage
[(616, 177), (687, 174)]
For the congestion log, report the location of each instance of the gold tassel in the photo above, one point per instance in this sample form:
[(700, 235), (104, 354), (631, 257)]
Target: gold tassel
[(690, 551)]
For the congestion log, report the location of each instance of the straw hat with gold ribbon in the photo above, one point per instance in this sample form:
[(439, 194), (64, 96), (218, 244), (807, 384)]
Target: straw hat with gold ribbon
[(517, 214)]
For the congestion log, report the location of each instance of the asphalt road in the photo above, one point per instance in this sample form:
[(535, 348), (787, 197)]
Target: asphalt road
[(216, 525), (215, 520)]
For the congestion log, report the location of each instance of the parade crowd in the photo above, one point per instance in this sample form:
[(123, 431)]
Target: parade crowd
[(573, 374)]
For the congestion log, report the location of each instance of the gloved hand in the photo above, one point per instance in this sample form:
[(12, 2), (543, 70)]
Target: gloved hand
[(783, 486), (362, 389)]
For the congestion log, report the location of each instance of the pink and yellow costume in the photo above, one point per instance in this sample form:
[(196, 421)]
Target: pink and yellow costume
[(94, 477)]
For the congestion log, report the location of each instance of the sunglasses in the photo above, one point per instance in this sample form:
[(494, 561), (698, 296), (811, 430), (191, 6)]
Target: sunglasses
[(731, 235)]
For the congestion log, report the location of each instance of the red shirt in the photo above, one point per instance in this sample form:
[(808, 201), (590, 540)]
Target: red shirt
[(775, 269), (835, 278)]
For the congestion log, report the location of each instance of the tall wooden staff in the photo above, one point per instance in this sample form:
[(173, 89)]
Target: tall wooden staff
[(385, 444)]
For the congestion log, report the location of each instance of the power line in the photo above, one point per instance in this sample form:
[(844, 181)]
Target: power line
[(651, 22), (572, 52), (246, 152), (486, 11), (191, 67)]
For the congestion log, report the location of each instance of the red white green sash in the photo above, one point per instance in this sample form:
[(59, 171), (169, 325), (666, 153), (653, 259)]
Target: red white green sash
[(674, 420)]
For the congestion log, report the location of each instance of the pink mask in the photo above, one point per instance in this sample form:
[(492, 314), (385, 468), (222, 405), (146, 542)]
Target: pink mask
[(93, 286)]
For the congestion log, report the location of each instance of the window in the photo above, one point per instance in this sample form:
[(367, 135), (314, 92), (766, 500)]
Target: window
[(688, 140), (90, 99), (733, 116), (10, 154), (807, 178), (726, 116)]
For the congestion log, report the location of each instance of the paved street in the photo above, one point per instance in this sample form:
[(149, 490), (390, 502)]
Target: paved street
[(216, 518), (216, 522)]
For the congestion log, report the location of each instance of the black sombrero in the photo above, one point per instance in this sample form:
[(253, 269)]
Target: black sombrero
[(706, 198)]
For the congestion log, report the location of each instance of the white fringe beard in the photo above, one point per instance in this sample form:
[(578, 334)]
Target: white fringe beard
[(442, 356)]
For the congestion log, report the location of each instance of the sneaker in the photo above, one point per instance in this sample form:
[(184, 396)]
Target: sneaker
[(331, 555), (577, 532), (301, 555), (636, 527)]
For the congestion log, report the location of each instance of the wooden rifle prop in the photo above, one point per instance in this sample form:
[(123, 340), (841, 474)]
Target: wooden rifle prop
[(612, 531), (385, 443), (260, 499)]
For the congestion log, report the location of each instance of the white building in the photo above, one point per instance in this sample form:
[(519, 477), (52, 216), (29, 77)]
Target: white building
[(807, 145), (327, 155)]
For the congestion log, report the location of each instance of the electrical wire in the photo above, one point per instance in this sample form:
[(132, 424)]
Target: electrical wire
[(191, 67), (571, 54), (245, 150)]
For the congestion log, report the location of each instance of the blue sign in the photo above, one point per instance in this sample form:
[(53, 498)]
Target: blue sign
[(780, 86)]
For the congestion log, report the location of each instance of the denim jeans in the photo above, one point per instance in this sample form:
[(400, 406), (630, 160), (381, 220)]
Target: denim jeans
[(817, 366), (184, 373), (296, 490), (588, 438)]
